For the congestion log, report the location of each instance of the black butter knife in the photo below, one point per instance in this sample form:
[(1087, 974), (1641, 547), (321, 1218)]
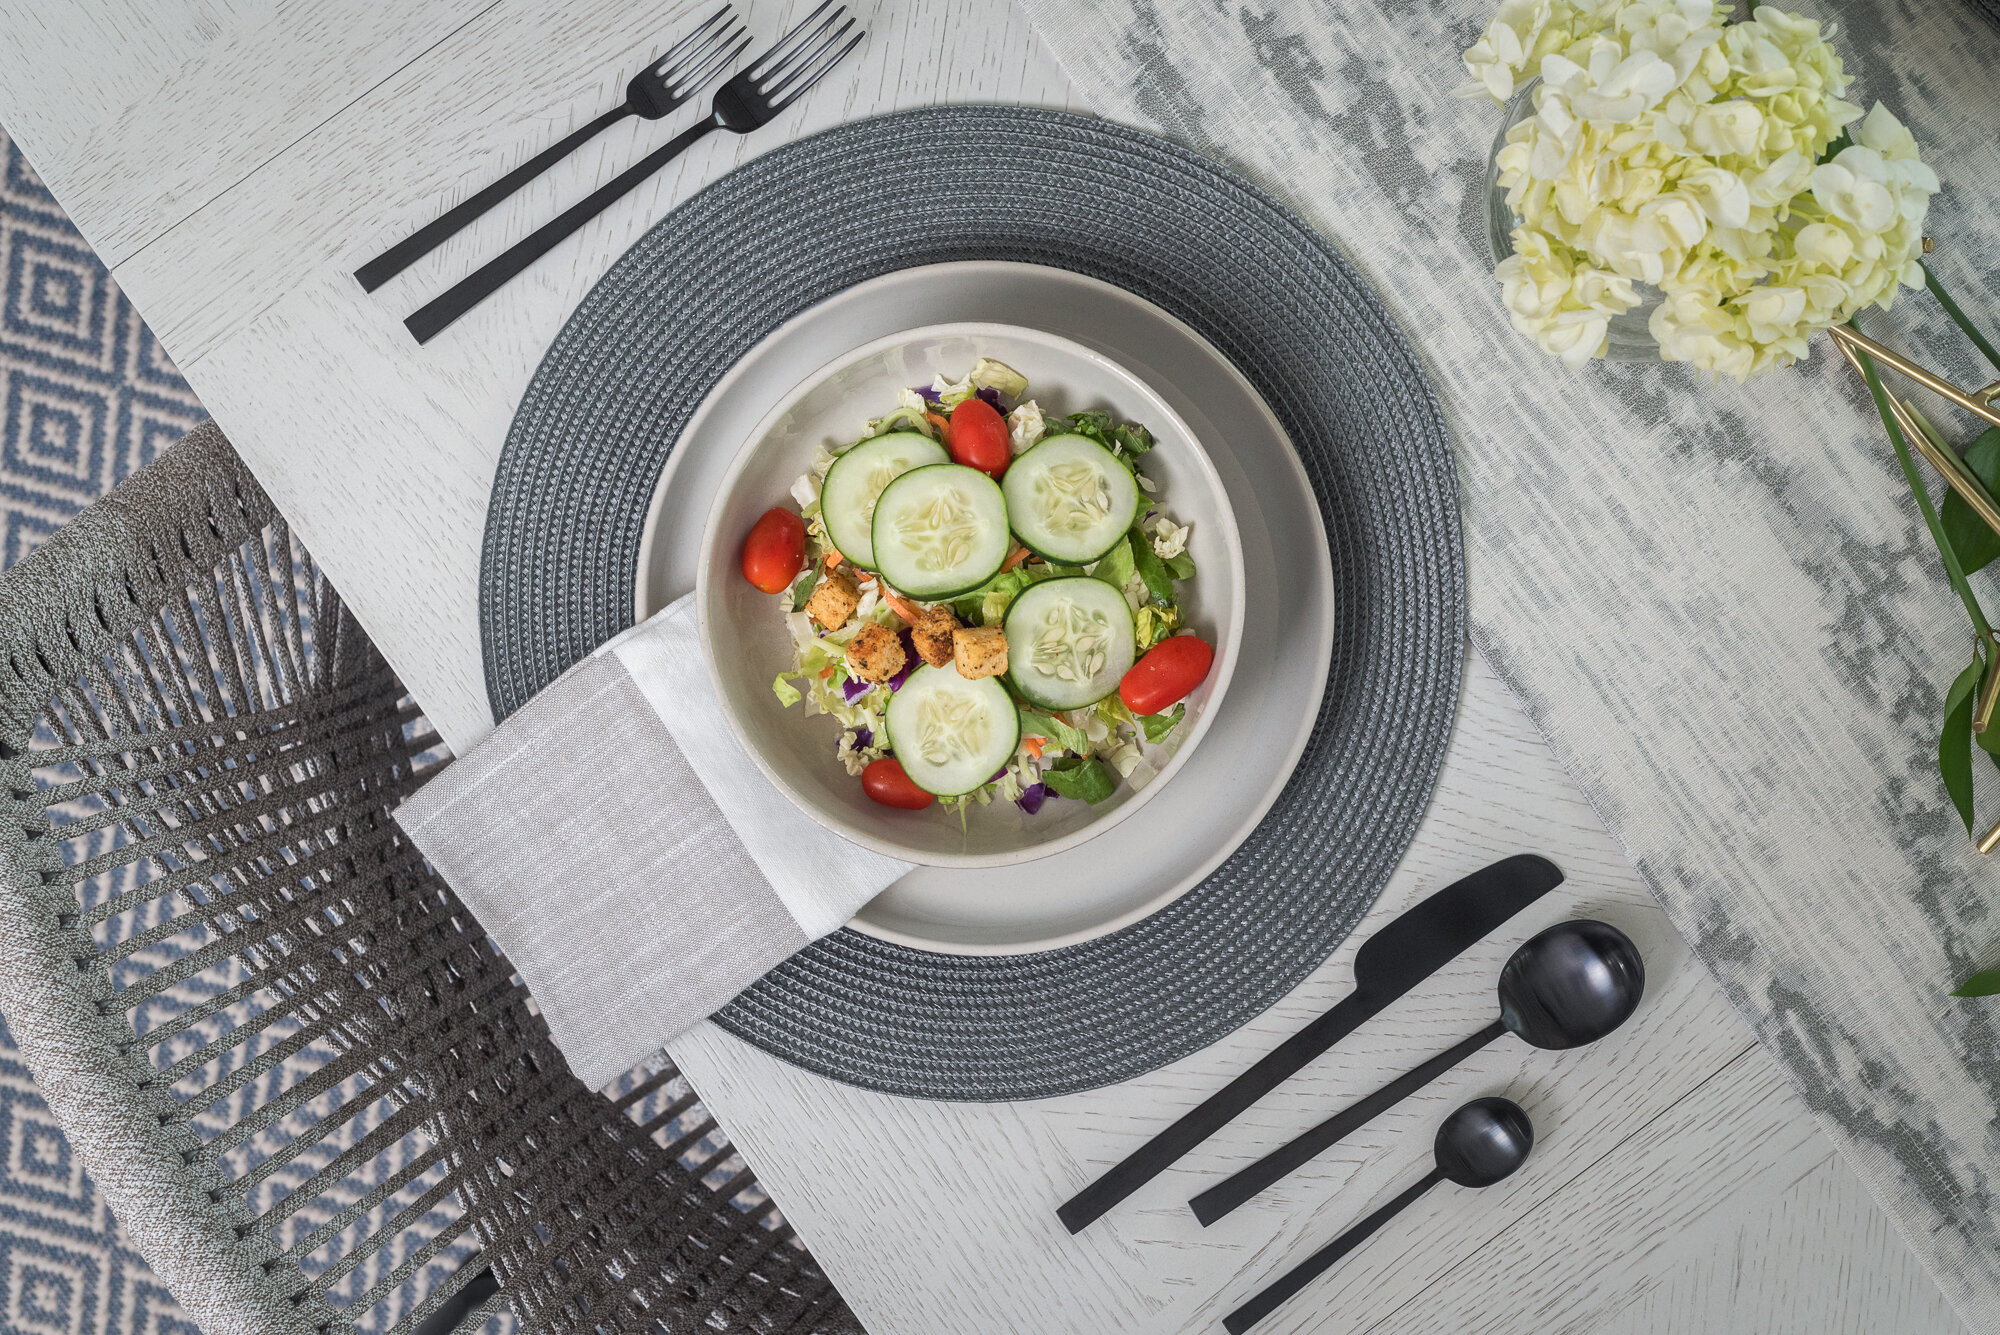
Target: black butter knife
[(1410, 949)]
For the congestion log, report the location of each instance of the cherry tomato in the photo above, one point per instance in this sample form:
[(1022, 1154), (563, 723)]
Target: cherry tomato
[(1168, 671), (885, 782), (978, 437), (775, 551)]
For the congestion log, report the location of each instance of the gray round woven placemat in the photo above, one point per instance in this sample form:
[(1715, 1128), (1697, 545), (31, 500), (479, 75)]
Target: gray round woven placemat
[(819, 215)]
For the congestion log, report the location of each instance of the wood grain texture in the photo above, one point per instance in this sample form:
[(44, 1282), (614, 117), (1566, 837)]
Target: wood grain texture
[(1770, 1233), (238, 247)]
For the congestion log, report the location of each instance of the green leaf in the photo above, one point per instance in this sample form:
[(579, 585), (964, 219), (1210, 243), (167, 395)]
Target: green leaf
[(1958, 317), (1133, 438), (788, 694), (1157, 726), (1976, 544), (1181, 566), (1955, 746), (802, 588), (1985, 983), (1154, 623), (1159, 580), (1116, 567), (1060, 734), (1086, 780)]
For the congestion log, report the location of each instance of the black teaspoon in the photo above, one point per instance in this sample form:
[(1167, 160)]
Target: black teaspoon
[(1567, 986), (1479, 1144)]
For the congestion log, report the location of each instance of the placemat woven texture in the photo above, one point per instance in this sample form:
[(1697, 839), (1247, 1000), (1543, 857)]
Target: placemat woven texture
[(814, 217)]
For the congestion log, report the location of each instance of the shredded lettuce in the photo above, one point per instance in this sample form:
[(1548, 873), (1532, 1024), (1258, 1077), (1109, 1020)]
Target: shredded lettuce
[(1154, 623), (1158, 726), (1062, 736), (1082, 778)]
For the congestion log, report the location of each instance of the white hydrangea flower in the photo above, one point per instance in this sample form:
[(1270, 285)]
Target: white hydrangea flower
[(1169, 538), (1674, 148)]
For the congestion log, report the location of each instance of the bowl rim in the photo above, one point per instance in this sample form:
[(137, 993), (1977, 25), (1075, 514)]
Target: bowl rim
[(1157, 409)]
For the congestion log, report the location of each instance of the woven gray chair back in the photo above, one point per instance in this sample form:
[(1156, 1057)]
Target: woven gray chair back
[(300, 1073)]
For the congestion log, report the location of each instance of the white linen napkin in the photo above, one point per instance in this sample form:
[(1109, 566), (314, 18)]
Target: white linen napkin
[(626, 853)]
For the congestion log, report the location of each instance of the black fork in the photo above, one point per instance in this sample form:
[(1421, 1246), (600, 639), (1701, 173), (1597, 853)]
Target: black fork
[(688, 66), (780, 77)]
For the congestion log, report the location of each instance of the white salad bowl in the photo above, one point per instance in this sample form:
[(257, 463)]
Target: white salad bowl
[(747, 644)]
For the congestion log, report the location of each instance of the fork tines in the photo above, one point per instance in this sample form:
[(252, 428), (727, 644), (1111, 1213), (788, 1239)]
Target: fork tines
[(802, 56), (693, 61)]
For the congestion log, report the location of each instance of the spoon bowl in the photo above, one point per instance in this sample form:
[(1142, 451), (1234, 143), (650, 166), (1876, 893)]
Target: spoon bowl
[(1571, 985), (1484, 1141), (1479, 1144)]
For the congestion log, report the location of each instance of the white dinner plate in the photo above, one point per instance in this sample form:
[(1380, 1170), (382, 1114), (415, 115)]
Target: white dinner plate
[(1261, 726)]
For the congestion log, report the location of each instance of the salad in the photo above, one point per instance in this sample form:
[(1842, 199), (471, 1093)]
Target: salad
[(985, 598)]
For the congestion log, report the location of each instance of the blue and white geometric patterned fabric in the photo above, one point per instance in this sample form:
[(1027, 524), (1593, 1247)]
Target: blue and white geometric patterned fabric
[(86, 397)]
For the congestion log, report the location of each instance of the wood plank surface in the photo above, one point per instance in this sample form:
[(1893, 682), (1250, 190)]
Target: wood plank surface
[(236, 159)]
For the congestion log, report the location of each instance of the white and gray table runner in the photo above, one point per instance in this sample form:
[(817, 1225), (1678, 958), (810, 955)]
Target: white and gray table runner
[(1717, 601)]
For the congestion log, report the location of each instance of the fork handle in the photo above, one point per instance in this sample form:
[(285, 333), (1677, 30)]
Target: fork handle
[(450, 223), (483, 282)]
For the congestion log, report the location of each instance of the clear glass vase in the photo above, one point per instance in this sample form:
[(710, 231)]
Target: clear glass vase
[(1629, 338)]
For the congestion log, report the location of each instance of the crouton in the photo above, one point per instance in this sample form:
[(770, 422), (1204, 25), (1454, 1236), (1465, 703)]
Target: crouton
[(875, 653), (834, 600), (931, 633), (981, 651)]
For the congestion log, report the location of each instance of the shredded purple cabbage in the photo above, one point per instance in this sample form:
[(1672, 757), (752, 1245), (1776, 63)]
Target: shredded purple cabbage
[(909, 661), (863, 738), (1031, 797), (928, 394), (992, 396), (854, 688)]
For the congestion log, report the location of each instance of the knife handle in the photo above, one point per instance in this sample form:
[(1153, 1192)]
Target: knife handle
[(1215, 1112), (1239, 1187)]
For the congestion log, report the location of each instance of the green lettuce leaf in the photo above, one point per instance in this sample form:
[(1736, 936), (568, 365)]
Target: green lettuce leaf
[(1060, 734), (788, 694), (1154, 623), (1159, 580), (1086, 780), (1157, 726), (1116, 566)]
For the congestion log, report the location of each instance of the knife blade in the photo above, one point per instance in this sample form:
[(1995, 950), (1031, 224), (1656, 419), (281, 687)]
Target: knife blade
[(1411, 948)]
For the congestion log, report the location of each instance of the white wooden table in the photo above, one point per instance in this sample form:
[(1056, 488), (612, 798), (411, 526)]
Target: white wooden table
[(234, 160)]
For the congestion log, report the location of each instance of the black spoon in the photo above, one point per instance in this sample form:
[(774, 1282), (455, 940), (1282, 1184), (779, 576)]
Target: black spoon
[(1567, 986), (1479, 1144)]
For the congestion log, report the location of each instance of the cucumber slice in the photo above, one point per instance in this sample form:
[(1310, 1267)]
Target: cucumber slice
[(952, 735), (854, 483), (1070, 500), (1069, 641), (940, 531)]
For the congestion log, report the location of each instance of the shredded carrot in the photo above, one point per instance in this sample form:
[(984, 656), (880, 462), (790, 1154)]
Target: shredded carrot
[(900, 605), (1035, 745), (938, 422), (1014, 558), (826, 672), (832, 559)]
